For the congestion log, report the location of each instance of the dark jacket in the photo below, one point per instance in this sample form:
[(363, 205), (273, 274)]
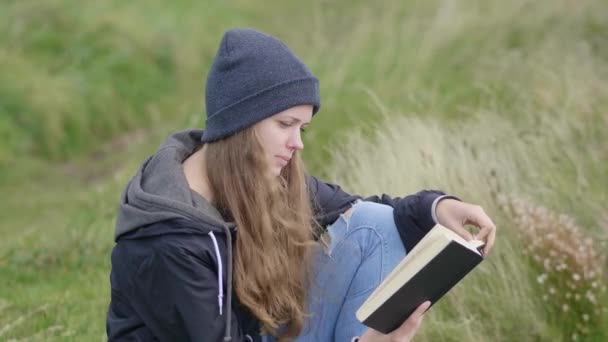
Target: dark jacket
[(171, 273)]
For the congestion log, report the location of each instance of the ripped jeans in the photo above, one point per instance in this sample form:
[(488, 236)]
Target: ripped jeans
[(364, 249)]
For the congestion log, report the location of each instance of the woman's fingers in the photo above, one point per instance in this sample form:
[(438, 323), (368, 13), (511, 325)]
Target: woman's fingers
[(487, 229), (408, 329), (455, 215), (490, 240)]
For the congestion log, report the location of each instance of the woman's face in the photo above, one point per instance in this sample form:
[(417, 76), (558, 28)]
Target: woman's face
[(281, 135)]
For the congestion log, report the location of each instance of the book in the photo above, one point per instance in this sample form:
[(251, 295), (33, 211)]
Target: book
[(437, 263)]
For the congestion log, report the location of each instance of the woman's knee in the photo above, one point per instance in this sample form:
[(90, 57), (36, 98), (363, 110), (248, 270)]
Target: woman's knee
[(367, 225), (371, 214), (372, 226)]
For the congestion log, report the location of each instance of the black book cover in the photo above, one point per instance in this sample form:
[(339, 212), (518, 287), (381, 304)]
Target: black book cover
[(433, 281)]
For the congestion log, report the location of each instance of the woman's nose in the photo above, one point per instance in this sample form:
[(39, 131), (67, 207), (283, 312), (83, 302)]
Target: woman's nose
[(295, 141)]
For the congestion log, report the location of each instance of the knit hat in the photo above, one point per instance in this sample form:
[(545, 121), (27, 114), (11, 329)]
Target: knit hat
[(254, 76)]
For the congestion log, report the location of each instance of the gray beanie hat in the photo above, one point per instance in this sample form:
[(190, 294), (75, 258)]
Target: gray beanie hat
[(254, 76)]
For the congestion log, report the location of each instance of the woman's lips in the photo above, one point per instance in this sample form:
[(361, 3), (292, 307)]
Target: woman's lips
[(283, 160)]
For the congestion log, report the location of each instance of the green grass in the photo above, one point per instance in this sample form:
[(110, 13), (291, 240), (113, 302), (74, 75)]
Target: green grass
[(478, 98), (501, 300)]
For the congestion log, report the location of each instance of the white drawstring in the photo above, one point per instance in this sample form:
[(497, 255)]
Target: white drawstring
[(220, 296)]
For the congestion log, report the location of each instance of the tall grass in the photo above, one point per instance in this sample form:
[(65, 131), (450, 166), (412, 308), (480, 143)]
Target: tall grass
[(479, 98), (547, 144), (570, 267), (73, 73), (501, 300)]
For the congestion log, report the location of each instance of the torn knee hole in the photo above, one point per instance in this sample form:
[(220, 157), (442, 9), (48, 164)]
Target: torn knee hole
[(348, 213)]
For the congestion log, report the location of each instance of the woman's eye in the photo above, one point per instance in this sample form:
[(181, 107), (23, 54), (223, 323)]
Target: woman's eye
[(284, 124), (302, 129)]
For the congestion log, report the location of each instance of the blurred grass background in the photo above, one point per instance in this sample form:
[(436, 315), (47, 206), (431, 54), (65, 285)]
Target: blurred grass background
[(483, 99)]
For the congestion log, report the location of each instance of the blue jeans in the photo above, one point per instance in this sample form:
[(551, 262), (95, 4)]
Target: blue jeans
[(364, 249)]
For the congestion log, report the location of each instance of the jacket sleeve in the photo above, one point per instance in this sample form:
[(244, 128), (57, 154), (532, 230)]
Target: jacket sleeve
[(412, 214), (176, 295)]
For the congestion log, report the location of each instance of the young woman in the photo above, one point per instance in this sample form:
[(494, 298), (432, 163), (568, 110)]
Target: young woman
[(221, 235)]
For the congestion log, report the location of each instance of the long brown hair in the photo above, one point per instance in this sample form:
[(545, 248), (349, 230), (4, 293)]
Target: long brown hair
[(275, 230)]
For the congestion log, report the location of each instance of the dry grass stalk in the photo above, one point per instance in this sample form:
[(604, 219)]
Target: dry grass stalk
[(571, 269)]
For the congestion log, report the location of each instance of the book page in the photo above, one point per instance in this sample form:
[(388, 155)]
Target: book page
[(472, 245)]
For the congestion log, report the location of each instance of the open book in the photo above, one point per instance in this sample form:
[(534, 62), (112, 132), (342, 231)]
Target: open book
[(439, 261)]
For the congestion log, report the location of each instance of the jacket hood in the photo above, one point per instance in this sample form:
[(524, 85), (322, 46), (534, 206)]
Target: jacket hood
[(159, 191)]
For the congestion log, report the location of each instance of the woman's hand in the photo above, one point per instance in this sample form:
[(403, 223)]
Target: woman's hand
[(404, 333), (455, 215)]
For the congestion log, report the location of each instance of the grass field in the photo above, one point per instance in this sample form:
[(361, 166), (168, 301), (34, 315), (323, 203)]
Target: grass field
[(503, 103)]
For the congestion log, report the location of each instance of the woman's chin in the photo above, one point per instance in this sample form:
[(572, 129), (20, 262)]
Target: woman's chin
[(276, 171)]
